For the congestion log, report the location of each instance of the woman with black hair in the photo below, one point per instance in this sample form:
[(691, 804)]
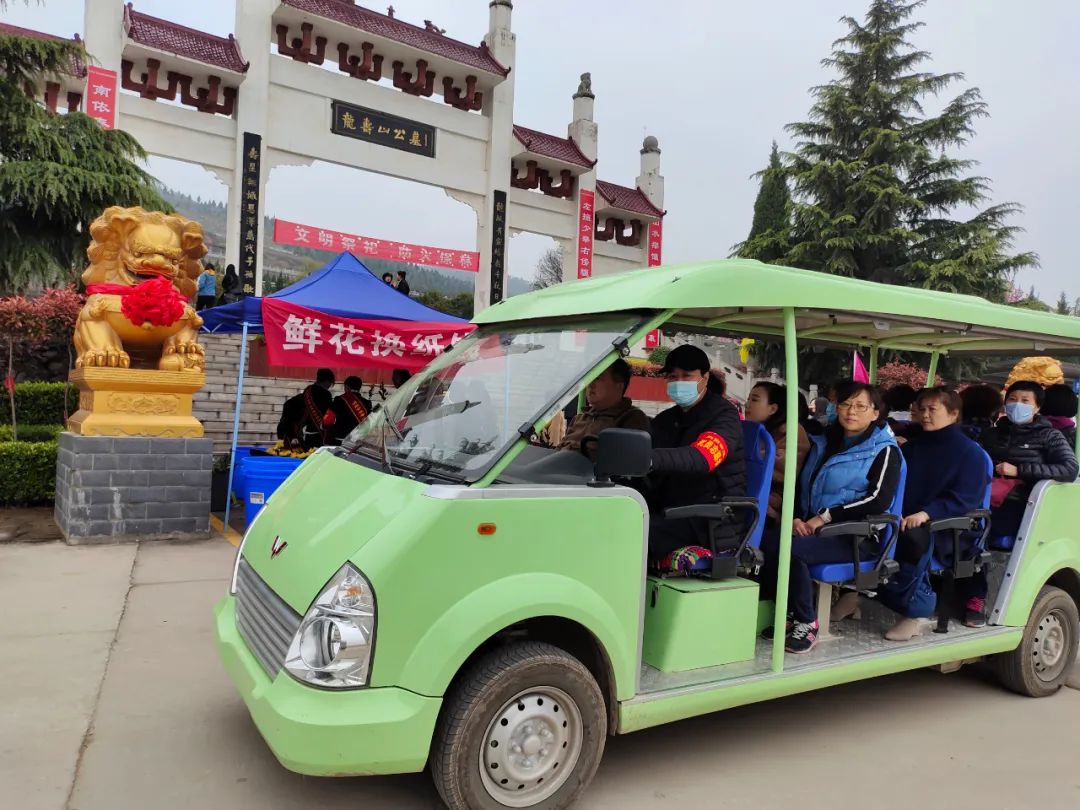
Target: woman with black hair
[(850, 473), (230, 285), (767, 404)]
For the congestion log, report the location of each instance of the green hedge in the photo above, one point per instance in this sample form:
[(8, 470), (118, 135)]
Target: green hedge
[(40, 403), (27, 472), (31, 433)]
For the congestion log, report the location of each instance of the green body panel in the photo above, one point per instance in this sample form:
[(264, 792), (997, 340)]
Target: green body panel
[(326, 512), (765, 614), (322, 733), (695, 623), (441, 588), (659, 709), (1052, 544)]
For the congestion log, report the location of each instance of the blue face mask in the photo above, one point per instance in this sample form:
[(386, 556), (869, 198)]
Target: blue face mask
[(830, 413), (682, 392), (1019, 413)]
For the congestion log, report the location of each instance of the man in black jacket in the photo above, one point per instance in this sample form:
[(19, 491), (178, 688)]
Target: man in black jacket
[(349, 409), (697, 454), (1026, 449), (301, 424)]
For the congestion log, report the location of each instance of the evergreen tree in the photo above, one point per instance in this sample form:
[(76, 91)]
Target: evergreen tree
[(770, 231), (57, 172), (875, 193), (1063, 306)]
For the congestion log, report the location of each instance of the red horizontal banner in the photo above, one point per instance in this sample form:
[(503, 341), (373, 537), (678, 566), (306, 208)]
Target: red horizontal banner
[(298, 336), (292, 233)]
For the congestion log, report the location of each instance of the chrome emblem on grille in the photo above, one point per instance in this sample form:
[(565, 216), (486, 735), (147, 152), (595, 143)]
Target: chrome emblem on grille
[(277, 547)]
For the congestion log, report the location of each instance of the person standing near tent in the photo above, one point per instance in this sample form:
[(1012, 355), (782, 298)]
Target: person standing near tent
[(349, 409), (207, 289), (402, 285), (302, 423), (230, 285)]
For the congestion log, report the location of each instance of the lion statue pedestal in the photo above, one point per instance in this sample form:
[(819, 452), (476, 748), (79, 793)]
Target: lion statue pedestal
[(132, 402), (133, 464)]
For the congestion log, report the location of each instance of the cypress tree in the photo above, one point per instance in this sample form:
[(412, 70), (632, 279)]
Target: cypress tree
[(876, 195), (1063, 306), (57, 172), (769, 232)]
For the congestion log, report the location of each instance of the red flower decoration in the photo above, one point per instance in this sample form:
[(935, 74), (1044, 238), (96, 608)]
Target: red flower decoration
[(155, 301)]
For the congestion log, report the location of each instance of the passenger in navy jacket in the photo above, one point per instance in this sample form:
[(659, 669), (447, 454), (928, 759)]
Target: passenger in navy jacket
[(947, 476)]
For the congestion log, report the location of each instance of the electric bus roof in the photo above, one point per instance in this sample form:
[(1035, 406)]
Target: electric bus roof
[(748, 298)]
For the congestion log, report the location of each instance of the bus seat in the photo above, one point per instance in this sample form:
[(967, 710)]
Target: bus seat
[(1002, 542), (959, 547), (866, 574), (760, 455)]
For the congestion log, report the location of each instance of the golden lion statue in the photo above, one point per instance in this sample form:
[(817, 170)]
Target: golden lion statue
[(1043, 370), (130, 248)]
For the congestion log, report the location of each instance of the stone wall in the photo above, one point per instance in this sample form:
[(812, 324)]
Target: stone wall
[(261, 406), (263, 397), (119, 488)]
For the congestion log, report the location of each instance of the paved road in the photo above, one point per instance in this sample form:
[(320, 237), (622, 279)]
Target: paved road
[(112, 698)]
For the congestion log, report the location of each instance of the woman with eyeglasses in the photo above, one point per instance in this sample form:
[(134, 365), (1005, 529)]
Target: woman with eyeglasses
[(851, 472)]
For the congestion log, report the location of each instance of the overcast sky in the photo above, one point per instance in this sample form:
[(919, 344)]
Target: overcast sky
[(715, 82)]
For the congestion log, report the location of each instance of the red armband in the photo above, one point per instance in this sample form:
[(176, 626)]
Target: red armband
[(713, 447)]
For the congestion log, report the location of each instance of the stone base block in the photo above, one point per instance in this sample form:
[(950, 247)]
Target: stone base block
[(114, 489), (135, 402)]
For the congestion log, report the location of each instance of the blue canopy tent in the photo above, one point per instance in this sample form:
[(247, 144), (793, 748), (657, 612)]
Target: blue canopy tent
[(345, 287)]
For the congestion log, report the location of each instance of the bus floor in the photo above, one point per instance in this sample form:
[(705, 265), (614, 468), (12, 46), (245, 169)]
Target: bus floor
[(849, 640)]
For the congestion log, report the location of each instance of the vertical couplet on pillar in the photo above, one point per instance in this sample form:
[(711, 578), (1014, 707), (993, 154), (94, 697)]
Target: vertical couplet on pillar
[(655, 247), (585, 234), (498, 245), (250, 212)]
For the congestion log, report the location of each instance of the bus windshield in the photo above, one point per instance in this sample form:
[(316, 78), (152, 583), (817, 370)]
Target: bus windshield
[(463, 411)]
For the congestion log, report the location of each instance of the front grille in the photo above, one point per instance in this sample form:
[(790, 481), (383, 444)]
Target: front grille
[(265, 622)]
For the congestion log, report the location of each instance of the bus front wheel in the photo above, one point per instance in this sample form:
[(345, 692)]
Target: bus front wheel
[(1043, 661), (525, 726)]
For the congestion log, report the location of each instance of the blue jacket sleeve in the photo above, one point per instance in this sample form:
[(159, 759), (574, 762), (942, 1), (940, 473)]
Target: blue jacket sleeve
[(965, 492)]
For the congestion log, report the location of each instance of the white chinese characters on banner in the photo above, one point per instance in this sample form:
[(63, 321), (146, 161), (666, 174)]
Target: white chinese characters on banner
[(292, 233), (101, 95), (306, 334), (656, 246), (585, 234), (301, 333)]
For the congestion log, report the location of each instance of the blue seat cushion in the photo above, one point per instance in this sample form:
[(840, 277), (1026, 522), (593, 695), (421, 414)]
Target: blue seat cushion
[(838, 573), (1002, 543)]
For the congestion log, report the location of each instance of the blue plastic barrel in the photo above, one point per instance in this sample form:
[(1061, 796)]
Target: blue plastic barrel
[(262, 476)]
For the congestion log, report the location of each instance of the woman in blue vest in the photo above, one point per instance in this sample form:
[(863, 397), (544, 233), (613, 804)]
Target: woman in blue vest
[(851, 472)]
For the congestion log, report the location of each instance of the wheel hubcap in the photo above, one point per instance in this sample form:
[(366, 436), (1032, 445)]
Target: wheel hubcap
[(1049, 646), (531, 746)]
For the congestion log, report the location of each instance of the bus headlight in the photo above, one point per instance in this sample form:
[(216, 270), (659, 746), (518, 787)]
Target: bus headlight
[(332, 647)]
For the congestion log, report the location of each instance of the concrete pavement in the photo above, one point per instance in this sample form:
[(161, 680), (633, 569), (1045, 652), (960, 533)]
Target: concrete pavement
[(113, 698)]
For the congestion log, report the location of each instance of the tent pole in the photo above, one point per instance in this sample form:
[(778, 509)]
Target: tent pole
[(236, 421)]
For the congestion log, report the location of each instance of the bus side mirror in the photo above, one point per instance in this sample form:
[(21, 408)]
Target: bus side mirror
[(623, 453)]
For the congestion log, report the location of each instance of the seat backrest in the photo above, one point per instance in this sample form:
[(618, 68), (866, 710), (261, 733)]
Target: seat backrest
[(896, 508), (989, 478), (760, 454)]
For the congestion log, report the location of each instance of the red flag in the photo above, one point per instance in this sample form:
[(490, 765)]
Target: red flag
[(9, 384), (859, 372)]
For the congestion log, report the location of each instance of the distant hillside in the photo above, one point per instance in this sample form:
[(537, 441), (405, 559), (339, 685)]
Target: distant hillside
[(283, 263)]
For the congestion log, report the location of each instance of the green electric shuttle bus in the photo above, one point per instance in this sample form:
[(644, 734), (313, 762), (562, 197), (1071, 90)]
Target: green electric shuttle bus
[(442, 592)]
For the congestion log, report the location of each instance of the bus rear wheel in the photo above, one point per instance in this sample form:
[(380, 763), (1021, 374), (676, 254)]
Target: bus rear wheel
[(524, 727), (1043, 661)]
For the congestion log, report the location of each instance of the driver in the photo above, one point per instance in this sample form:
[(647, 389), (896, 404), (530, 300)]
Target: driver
[(607, 407), (697, 454)]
